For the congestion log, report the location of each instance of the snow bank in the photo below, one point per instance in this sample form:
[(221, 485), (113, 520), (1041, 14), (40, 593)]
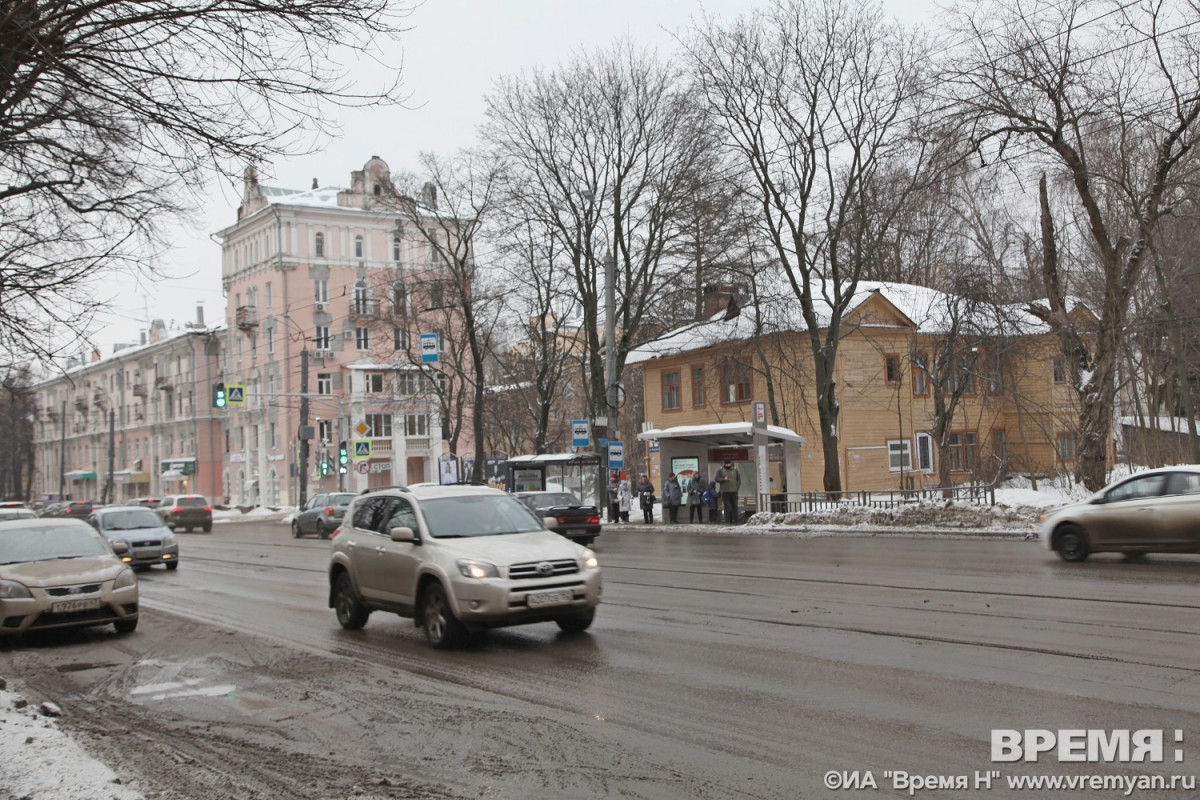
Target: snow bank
[(40, 762)]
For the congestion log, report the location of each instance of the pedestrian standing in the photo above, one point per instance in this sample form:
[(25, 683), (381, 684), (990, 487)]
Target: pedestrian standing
[(624, 500), (695, 500), (614, 484), (710, 501), (645, 493), (728, 482), (672, 497)]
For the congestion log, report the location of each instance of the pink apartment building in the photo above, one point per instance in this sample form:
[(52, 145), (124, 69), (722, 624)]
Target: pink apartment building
[(325, 290)]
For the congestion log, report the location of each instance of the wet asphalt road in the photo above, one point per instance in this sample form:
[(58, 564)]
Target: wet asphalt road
[(720, 666)]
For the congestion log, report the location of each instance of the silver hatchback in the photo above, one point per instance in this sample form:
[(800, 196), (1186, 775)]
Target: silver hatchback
[(150, 541)]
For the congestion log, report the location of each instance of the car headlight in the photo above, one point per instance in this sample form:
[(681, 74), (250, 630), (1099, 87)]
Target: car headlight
[(470, 568), (589, 559), (11, 590), (125, 579), (169, 539)]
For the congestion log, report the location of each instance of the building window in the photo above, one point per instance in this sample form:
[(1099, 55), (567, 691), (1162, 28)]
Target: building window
[(670, 391), (272, 443), (319, 248), (963, 451), (400, 339), (925, 452), (373, 383), (437, 294), (362, 338), (920, 375), (1000, 445), (321, 290), (325, 430), (959, 379), (324, 383), (435, 252), (379, 426), (268, 294), (698, 386), (891, 369), (270, 340), (1059, 366), (361, 297), (1065, 446), (993, 375), (358, 246), (409, 383), (399, 299), (416, 425), (735, 382), (321, 339), (899, 453), (395, 248)]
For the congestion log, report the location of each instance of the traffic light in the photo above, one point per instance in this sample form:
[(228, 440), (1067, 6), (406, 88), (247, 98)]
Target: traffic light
[(343, 454), (218, 398), (325, 467)]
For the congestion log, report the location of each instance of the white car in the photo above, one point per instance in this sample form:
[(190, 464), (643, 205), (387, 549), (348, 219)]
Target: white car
[(457, 559)]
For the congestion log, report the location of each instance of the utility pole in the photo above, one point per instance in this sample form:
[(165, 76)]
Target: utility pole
[(62, 453), (301, 434), (109, 489)]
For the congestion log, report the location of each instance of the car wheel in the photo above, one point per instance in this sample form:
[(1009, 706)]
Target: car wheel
[(1072, 544), (442, 628), (577, 623), (126, 625), (350, 613), (295, 529), (207, 528), (322, 531), (172, 565)]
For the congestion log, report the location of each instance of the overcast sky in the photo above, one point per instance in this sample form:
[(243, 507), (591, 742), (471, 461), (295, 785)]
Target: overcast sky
[(451, 57)]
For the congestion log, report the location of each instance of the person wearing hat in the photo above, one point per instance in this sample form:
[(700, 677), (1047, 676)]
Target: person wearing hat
[(645, 493), (672, 497), (728, 482)]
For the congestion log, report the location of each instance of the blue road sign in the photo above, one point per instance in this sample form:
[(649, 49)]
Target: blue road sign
[(581, 433), (362, 448), (616, 455), (235, 394), (429, 348)]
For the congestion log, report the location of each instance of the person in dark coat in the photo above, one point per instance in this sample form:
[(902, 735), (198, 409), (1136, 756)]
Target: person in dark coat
[(645, 493), (614, 487), (672, 497), (695, 500), (728, 482), (710, 501)]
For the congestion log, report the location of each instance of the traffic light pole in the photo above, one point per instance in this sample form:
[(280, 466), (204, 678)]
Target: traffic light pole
[(303, 424)]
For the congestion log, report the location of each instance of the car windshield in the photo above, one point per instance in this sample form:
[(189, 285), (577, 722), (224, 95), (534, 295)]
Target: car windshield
[(477, 515), (131, 520), (340, 499), (43, 544), (16, 513), (192, 501)]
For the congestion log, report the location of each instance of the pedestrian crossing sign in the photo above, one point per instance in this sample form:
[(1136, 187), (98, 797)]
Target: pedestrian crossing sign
[(235, 394), (362, 448)]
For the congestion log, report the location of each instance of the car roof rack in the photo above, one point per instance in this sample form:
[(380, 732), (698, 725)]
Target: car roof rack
[(369, 489)]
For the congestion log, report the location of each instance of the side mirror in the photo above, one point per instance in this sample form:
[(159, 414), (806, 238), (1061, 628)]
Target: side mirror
[(120, 548), (403, 533)]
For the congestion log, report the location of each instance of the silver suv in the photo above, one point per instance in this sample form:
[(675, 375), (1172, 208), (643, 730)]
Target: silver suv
[(457, 559)]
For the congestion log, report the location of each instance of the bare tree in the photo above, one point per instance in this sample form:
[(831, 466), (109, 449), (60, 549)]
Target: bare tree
[(816, 99), (112, 111), (605, 148), (1106, 96), (446, 207)]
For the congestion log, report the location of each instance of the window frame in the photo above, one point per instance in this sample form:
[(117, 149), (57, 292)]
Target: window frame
[(963, 454), (904, 449), (732, 384), (698, 387), (362, 338), (891, 369), (920, 374), (669, 384)]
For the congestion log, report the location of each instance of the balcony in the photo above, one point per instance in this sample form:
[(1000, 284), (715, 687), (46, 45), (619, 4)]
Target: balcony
[(246, 317), (164, 383), (364, 309), (81, 404), (139, 390), (412, 443)]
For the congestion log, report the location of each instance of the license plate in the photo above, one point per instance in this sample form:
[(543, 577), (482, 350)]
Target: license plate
[(145, 554), (67, 606), (555, 598)]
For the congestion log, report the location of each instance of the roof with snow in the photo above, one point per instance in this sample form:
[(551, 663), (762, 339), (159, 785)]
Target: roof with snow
[(926, 310)]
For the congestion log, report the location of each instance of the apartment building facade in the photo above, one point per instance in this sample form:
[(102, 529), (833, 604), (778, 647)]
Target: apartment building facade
[(146, 404), (326, 295)]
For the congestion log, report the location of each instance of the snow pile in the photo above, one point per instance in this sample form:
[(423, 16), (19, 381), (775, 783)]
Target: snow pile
[(39, 762)]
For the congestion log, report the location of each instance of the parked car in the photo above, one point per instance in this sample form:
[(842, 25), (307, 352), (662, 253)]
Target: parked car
[(186, 511), (571, 518), (322, 514), (149, 540), (145, 502), (59, 573), (17, 513), (78, 509), (457, 559), (1157, 511)]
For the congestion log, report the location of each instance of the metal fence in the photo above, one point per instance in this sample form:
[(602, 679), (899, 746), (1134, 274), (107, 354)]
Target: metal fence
[(798, 502)]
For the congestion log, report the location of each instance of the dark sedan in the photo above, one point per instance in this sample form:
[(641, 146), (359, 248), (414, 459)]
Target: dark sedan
[(577, 522), (77, 509)]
